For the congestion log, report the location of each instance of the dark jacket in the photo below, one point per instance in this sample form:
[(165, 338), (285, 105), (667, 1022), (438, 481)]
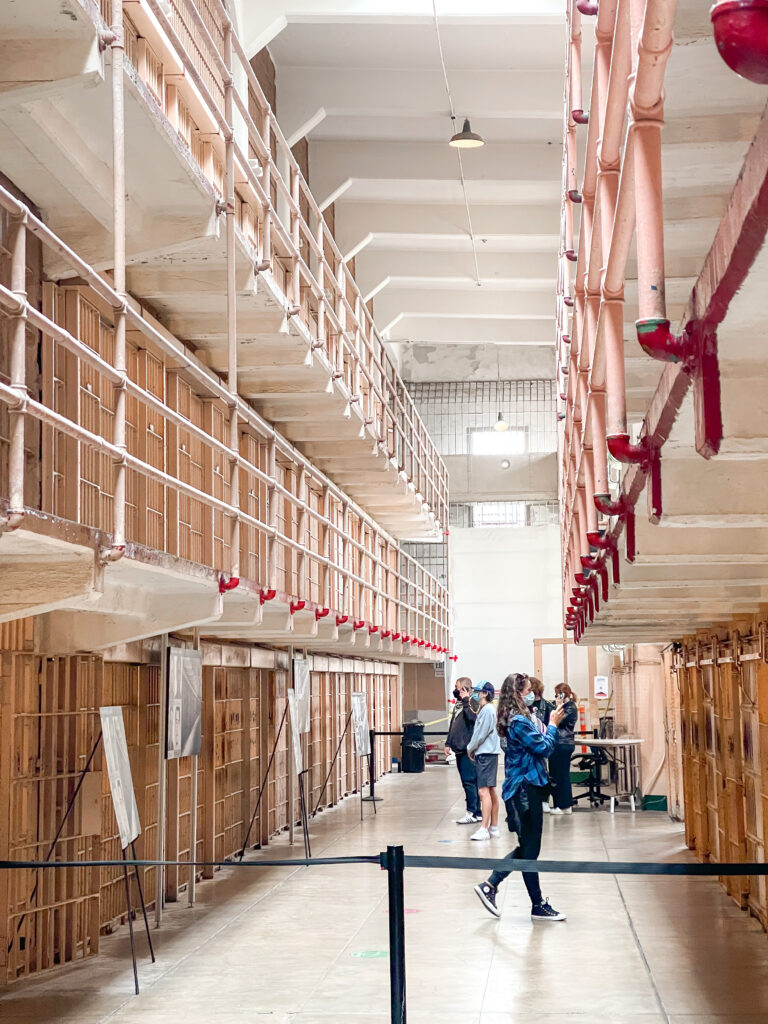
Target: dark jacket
[(565, 737), (542, 708), (462, 726)]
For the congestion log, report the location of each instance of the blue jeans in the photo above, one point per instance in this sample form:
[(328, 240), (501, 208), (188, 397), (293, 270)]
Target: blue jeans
[(468, 777)]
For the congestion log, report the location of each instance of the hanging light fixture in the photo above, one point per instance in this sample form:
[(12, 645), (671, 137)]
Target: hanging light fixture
[(501, 424), (466, 138)]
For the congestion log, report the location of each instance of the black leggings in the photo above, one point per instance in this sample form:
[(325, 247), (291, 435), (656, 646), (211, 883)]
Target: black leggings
[(560, 774), (531, 824)]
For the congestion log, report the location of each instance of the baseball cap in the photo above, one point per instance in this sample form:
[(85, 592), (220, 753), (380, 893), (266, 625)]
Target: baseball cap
[(486, 687)]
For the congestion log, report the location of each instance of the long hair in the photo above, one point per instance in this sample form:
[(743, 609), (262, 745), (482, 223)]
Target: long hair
[(566, 691), (511, 702)]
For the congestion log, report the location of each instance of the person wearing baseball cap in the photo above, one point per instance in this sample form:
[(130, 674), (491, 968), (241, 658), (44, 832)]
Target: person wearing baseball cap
[(484, 749)]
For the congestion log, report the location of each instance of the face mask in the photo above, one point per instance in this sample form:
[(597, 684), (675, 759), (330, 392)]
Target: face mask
[(529, 698), (456, 694)]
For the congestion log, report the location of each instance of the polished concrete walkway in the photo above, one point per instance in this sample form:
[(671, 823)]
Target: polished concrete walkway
[(308, 946)]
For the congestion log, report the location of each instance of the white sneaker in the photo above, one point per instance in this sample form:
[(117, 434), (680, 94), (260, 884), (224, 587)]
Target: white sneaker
[(555, 810), (468, 819), (481, 835), (493, 832), (546, 808), (568, 810)]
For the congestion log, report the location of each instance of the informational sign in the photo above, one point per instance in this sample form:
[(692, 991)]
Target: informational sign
[(360, 724), (119, 772), (601, 687), (301, 688), (298, 760), (185, 702)]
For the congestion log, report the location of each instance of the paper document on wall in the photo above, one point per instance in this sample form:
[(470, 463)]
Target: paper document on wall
[(185, 703), (301, 687), (298, 760)]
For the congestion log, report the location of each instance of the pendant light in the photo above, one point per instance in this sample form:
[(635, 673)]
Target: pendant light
[(466, 138), (501, 424)]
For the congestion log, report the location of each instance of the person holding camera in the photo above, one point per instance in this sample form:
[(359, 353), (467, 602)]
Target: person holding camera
[(529, 743), (460, 732), (560, 759), (484, 748)]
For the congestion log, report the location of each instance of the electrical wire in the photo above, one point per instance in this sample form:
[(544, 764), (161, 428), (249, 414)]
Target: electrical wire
[(458, 151)]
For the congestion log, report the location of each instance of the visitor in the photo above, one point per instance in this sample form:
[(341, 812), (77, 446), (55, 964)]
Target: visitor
[(484, 748), (529, 742), (460, 731), (542, 708), (560, 758)]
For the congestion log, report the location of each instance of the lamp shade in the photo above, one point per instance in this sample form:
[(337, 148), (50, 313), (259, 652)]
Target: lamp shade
[(466, 138)]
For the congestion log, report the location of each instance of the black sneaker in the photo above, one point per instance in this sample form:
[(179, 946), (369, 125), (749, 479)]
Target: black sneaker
[(486, 893), (543, 912)]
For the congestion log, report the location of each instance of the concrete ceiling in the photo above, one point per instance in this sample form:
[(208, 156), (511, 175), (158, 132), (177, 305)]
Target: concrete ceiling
[(363, 83)]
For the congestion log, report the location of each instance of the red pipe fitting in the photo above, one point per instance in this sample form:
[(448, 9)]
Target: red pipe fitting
[(624, 451), (657, 340), (599, 540), (320, 613), (564, 370), (267, 595), (396, 636), (341, 619), (593, 564), (587, 7), (297, 606), (606, 506), (422, 643), (373, 629), (568, 301), (560, 417), (604, 581), (405, 639), (575, 196), (566, 339), (563, 396), (741, 35), (230, 584), (357, 625), (386, 634), (580, 578), (571, 256), (580, 116)]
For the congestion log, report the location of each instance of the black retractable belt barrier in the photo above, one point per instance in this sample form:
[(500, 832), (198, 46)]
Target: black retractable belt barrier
[(394, 861)]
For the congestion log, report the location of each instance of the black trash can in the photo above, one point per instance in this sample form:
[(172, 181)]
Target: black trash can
[(414, 747)]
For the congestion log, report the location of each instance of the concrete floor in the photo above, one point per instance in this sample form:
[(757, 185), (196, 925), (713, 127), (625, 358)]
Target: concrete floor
[(308, 946)]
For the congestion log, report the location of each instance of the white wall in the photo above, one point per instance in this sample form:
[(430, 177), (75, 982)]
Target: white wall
[(506, 591)]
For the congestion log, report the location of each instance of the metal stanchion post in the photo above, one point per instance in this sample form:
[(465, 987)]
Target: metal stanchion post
[(371, 798), (395, 872)]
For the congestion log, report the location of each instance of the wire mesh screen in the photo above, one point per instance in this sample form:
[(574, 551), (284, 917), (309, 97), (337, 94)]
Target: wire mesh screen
[(461, 416), (504, 513)]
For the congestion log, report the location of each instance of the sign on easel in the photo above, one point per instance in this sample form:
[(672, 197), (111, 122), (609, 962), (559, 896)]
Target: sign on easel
[(360, 723), (185, 703), (120, 778), (301, 721), (298, 759), (601, 687)]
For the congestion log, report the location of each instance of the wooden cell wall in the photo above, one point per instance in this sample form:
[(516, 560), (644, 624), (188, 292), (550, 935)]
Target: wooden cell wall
[(49, 722), (724, 717)]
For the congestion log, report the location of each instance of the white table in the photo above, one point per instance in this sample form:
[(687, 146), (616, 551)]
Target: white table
[(623, 752)]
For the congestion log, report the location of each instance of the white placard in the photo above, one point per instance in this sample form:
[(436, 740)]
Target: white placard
[(360, 723), (298, 760), (185, 703), (301, 688), (120, 778), (601, 687)]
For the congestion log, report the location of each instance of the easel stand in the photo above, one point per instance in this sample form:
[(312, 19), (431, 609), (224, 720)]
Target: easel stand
[(369, 759), (333, 762), (371, 798), (264, 782), (130, 913), (304, 816)]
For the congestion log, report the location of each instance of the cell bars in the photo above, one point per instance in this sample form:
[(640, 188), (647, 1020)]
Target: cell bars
[(453, 412)]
